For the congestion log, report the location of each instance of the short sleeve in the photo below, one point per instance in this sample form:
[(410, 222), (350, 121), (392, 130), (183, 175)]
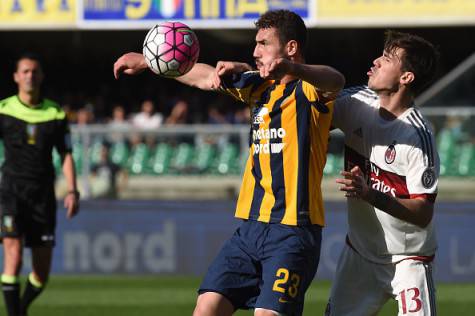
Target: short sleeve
[(423, 169), (63, 137)]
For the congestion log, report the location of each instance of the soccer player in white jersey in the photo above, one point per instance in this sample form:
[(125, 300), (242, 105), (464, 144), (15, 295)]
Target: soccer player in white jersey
[(390, 181)]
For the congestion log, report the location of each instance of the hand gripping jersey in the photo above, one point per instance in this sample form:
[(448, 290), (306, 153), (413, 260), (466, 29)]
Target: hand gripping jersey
[(399, 159), (289, 137)]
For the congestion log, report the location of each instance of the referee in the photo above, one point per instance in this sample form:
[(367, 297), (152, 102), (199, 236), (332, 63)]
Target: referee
[(30, 126)]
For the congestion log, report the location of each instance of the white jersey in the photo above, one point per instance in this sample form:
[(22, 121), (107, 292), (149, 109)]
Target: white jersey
[(398, 158)]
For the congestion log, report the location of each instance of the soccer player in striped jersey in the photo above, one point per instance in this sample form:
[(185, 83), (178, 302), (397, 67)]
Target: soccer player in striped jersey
[(271, 259), (390, 181)]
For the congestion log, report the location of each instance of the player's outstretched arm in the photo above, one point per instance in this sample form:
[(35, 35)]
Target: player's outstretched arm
[(201, 76), (325, 78), (206, 77), (130, 64)]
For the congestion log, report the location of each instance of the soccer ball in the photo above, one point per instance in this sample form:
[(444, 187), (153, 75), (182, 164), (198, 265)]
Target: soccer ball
[(171, 49)]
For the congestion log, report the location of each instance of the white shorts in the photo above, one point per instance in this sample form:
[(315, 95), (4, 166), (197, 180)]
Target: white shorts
[(361, 287)]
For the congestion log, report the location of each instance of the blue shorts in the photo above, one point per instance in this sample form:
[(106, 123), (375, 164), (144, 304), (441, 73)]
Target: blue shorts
[(266, 266)]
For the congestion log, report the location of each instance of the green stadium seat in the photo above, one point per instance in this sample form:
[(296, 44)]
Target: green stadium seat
[(160, 161), (139, 159), (78, 154), (95, 151), (330, 165), (57, 163), (466, 160), (120, 153), (181, 161), (227, 160), (2, 153), (204, 157), (448, 152)]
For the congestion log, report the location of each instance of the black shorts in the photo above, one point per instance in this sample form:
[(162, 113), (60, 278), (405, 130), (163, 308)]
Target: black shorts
[(28, 211)]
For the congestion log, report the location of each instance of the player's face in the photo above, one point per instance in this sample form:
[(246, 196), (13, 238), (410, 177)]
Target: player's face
[(268, 47), (28, 75), (385, 75)]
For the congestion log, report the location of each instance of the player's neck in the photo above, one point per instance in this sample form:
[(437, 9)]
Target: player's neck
[(29, 99), (395, 104)]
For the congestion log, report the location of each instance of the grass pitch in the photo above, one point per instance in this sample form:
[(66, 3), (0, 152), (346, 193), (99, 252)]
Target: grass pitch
[(152, 295)]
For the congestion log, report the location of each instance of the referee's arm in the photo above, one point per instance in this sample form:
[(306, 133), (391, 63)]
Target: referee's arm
[(71, 201)]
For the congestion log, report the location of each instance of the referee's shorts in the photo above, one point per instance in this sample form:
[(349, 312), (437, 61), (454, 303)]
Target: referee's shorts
[(28, 211)]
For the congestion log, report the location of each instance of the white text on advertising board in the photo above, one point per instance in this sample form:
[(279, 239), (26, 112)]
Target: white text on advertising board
[(192, 9), (207, 8), (111, 252)]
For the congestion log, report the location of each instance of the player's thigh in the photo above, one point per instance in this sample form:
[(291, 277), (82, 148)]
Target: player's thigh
[(355, 290), (289, 264), (211, 303), (11, 211), (235, 273), (414, 289)]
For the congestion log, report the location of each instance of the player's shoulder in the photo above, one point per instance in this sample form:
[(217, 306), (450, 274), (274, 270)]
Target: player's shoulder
[(7, 101), (361, 93), (53, 108), (51, 104), (242, 79), (417, 120), (421, 129)]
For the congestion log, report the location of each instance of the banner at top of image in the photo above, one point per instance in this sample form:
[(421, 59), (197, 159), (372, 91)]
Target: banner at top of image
[(433, 12), (201, 11), (37, 12)]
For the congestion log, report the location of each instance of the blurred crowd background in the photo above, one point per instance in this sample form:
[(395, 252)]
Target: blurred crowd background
[(148, 126)]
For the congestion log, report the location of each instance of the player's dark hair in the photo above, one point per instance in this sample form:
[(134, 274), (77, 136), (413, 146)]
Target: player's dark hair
[(289, 25), (420, 57), (28, 55)]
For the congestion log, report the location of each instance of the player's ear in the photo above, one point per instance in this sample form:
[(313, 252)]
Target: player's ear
[(407, 77), (291, 48)]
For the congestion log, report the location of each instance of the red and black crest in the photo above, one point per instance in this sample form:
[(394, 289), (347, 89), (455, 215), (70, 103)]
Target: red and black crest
[(390, 154)]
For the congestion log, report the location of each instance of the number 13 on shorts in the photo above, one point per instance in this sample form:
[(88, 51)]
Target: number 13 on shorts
[(410, 300), (286, 282)]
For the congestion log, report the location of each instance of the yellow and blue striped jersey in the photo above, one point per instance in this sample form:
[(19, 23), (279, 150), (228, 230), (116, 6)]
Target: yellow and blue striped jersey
[(289, 137)]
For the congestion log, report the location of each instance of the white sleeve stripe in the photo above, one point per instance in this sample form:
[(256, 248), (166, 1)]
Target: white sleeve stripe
[(428, 136), (425, 142), (363, 90), (424, 138)]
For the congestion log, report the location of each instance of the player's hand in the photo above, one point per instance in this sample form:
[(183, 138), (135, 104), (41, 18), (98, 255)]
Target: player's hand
[(276, 69), (130, 64), (354, 183), (71, 203), (225, 68)]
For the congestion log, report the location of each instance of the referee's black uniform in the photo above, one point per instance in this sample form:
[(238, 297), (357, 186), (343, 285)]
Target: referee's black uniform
[(27, 198)]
